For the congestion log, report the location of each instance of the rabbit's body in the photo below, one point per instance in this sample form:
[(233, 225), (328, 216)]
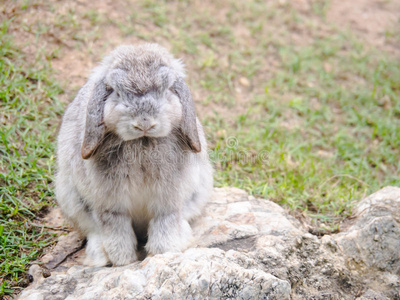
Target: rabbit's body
[(149, 186)]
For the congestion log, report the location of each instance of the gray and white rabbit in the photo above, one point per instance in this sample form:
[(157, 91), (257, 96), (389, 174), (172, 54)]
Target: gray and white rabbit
[(132, 157)]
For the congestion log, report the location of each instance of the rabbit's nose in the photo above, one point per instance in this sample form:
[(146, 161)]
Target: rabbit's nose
[(144, 126)]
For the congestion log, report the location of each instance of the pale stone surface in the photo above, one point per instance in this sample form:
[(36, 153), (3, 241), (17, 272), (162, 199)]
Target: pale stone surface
[(248, 248)]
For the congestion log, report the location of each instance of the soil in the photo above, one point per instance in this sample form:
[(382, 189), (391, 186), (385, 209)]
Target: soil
[(371, 20)]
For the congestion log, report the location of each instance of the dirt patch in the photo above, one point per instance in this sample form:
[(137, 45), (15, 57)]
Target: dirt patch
[(377, 22)]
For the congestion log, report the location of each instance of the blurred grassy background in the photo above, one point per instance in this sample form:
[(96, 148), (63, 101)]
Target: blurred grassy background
[(285, 79)]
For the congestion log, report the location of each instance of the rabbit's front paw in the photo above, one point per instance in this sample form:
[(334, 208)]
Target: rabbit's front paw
[(166, 235), (121, 249), (122, 258), (95, 261), (95, 256)]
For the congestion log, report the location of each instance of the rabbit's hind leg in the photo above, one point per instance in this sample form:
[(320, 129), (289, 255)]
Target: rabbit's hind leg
[(194, 205), (80, 215)]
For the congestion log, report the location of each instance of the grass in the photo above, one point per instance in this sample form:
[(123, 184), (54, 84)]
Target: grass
[(29, 115), (330, 141), (296, 110)]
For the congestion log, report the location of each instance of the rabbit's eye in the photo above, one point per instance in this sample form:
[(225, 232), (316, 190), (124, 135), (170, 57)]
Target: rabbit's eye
[(109, 89), (173, 92)]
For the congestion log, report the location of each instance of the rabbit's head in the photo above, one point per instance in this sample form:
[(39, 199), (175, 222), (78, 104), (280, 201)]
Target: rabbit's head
[(140, 92)]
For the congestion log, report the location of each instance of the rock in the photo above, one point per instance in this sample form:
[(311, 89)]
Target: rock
[(67, 245), (372, 239), (36, 272), (248, 248)]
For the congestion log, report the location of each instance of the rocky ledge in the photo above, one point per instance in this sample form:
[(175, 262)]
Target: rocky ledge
[(248, 248)]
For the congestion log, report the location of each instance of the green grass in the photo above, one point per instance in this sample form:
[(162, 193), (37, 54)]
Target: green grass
[(29, 114), (330, 121), (296, 110)]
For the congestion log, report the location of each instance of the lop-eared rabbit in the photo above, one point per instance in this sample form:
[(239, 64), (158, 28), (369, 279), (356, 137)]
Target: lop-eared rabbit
[(132, 157)]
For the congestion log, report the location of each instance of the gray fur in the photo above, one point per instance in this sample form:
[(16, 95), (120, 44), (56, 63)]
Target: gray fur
[(189, 126), (132, 157), (95, 129)]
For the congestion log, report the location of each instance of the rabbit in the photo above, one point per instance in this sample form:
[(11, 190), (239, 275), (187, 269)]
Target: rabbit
[(132, 160)]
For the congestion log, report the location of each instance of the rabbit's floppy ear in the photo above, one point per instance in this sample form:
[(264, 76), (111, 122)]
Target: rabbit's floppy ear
[(95, 128), (188, 123)]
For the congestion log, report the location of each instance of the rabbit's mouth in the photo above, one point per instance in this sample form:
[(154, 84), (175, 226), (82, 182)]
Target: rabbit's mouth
[(145, 141)]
